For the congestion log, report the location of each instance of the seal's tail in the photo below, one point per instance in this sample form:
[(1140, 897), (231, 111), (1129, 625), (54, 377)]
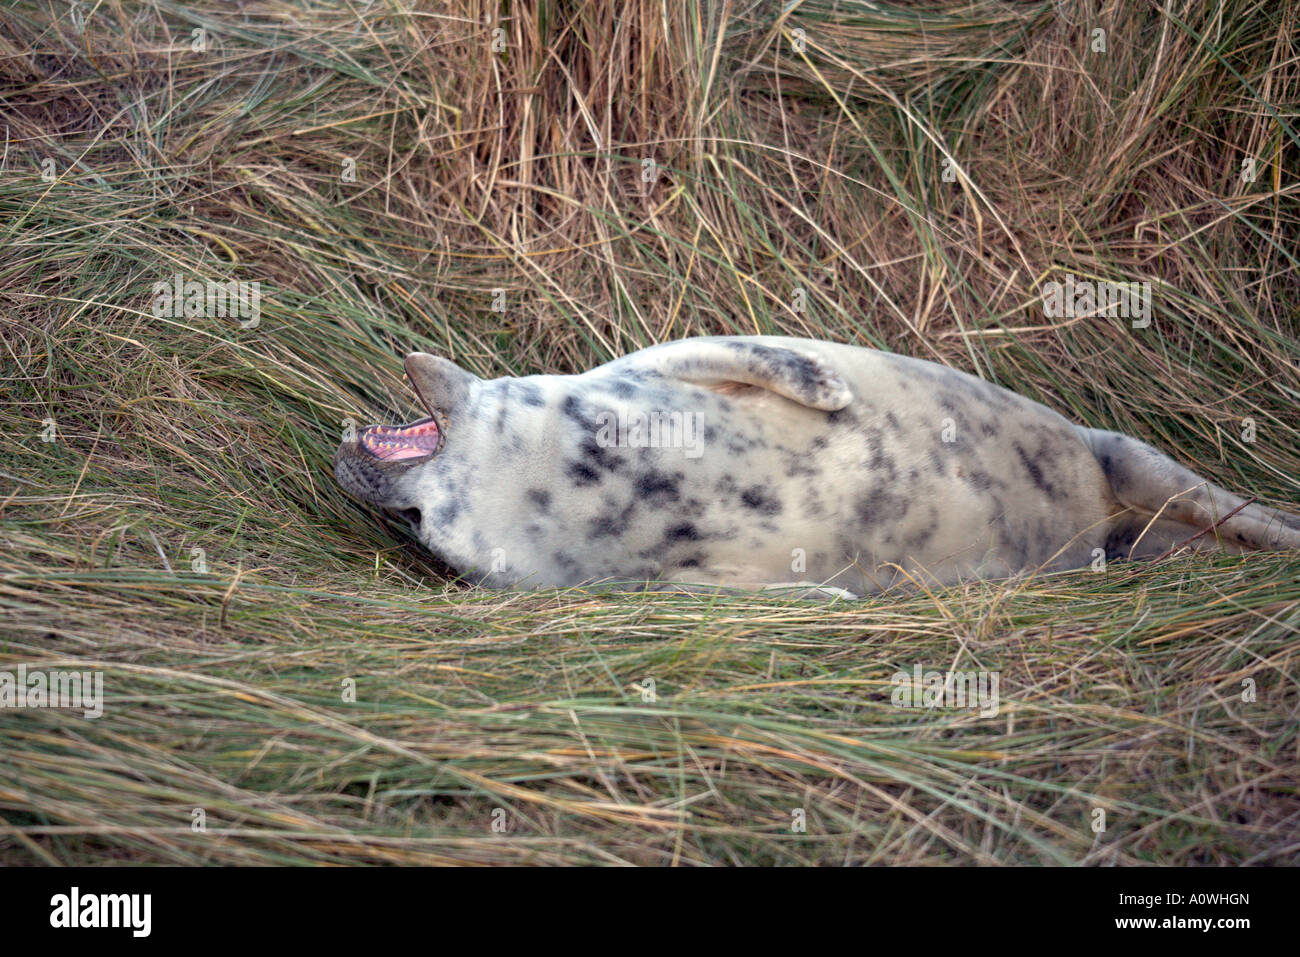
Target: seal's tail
[(1150, 482)]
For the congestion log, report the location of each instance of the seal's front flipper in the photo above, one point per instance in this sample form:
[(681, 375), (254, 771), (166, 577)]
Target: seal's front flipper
[(801, 377)]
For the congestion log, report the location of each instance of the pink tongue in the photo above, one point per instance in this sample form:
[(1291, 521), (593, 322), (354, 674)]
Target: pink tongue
[(393, 443)]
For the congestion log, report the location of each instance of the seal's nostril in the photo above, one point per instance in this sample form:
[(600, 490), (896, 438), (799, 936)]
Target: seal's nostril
[(412, 515)]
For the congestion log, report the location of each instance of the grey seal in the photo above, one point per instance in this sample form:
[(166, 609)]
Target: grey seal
[(763, 461)]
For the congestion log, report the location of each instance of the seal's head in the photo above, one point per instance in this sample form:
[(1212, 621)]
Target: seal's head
[(381, 464)]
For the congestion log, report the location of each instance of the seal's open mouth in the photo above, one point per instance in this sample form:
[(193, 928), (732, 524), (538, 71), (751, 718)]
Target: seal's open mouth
[(394, 443)]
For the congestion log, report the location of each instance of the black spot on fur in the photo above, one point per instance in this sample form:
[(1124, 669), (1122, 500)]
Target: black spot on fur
[(882, 507), (583, 474), (540, 497), (659, 488), (572, 408), (1035, 472), (760, 500), (611, 525), (878, 460), (798, 464), (600, 458)]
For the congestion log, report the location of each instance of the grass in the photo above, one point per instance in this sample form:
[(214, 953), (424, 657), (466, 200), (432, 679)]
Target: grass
[(616, 175)]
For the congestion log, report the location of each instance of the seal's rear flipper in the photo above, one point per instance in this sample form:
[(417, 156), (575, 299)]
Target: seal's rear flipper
[(1151, 482), (798, 376)]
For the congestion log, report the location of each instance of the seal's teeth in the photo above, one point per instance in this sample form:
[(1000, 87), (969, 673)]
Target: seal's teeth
[(400, 442)]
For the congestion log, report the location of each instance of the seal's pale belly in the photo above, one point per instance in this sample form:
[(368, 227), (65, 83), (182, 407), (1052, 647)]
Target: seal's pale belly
[(753, 461)]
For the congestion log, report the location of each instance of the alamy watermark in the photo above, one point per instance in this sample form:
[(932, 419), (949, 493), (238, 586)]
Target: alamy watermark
[(74, 909), (53, 689), (947, 689), (650, 430), (1083, 297), (193, 298)]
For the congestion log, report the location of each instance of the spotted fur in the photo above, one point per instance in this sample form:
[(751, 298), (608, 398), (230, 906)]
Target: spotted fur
[(835, 465)]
